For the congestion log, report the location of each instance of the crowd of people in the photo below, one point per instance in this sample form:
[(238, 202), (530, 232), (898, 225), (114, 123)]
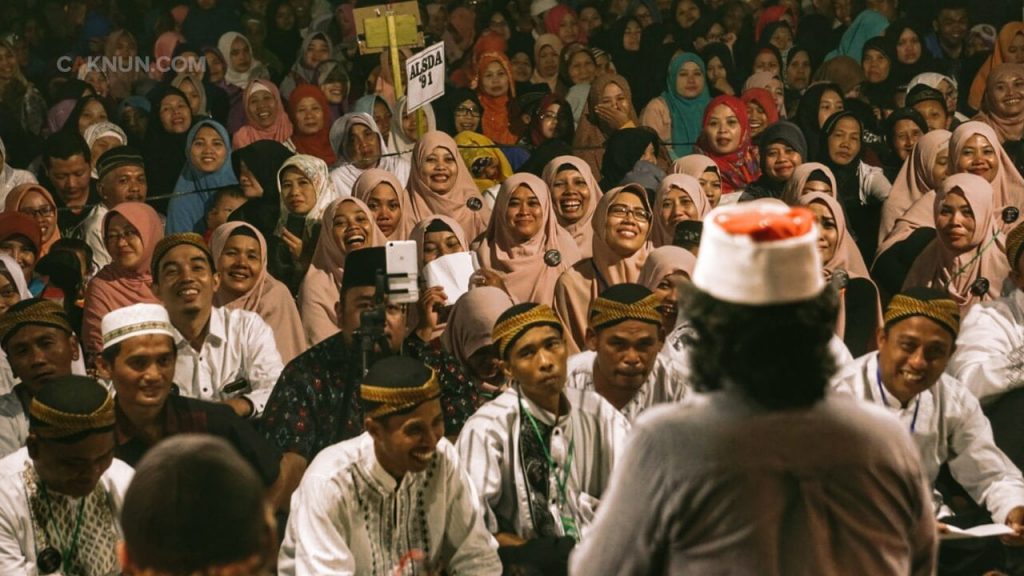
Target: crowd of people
[(682, 233)]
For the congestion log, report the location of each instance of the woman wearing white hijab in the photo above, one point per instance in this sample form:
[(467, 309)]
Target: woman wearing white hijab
[(11, 177)]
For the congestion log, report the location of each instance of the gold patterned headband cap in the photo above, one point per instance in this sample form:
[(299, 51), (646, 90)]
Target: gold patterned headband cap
[(942, 310), (70, 405), (397, 384), (624, 302), (515, 321), (35, 311)]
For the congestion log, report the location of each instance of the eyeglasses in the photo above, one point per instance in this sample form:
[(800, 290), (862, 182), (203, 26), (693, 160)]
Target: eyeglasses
[(549, 117), (621, 212), (44, 212), (466, 111), (127, 235)]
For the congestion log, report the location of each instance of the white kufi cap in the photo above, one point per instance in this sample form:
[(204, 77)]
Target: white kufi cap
[(135, 320), (760, 254)]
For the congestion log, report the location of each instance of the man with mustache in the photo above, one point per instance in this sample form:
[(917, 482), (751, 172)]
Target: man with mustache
[(623, 363), (401, 466)]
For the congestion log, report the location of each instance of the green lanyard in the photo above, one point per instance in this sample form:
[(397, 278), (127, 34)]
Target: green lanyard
[(73, 547), (564, 480)]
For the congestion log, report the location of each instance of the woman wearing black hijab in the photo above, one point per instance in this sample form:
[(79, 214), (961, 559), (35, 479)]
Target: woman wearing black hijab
[(718, 59), (818, 103), (256, 167), (879, 64), (164, 145)]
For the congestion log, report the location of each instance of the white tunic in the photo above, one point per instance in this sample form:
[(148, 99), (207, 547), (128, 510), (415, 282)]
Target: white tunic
[(239, 344), (664, 384), (489, 446), (17, 532), (349, 516), (947, 426), (989, 356)]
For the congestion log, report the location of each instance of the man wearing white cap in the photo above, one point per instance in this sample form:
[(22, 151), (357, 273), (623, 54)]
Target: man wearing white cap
[(764, 474), (139, 358)]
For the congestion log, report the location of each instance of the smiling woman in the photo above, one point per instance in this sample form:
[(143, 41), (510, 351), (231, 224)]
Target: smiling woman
[(264, 114), (240, 252), (346, 225), (525, 243), (208, 167)]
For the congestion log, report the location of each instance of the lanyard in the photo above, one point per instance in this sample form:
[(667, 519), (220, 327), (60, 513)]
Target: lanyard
[(73, 547), (881, 390), (560, 482)]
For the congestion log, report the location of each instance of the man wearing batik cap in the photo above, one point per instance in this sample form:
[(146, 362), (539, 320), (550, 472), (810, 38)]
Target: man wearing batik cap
[(539, 455), (60, 497), (623, 363), (905, 377), (40, 346), (121, 175), (393, 497), (224, 354), (139, 359), (765, 473)]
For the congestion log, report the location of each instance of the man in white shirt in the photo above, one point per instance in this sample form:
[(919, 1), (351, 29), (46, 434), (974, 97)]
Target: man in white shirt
[(539, 455), (393, 497), (60, 497), (905, 376), (623, 363), (224, 355), (122, 178)]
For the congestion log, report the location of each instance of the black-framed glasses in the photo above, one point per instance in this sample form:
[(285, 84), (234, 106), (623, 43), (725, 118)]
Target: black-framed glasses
[(621, 212), (41, 212), (467, 111)]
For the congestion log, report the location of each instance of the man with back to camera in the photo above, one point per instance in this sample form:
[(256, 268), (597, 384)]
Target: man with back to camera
[(758, 485)]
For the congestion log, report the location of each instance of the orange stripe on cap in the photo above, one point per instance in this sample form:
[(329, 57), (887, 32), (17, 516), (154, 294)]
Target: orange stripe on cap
[(767, 226)]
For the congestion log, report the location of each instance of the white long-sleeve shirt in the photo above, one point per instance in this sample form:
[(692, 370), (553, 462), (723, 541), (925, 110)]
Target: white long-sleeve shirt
[(948, 426), (239, 344), (349, 516), (490, 450), (989, 356), (663, 385), (19, 542)]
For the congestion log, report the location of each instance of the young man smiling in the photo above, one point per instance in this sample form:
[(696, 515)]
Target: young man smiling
[(399, 478)]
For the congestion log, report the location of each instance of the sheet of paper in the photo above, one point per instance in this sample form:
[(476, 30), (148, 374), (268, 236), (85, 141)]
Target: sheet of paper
[(983, 531), (450, 272)]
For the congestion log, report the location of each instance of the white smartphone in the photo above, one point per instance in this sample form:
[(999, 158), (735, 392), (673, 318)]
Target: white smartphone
[(402, 270)]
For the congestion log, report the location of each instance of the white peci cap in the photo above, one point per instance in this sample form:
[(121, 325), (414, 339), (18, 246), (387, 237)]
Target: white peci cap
[(760, 254), (135, 320), (538, 7)]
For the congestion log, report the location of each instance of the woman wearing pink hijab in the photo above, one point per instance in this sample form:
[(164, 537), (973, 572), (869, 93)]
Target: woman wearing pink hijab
[(265, 116), (33, 200), (524, 241), (860, 309), (387, 199), (926, 169), (246, 284), (130, 233), (468, 336), (622, 225), (440, 183), (679, 198), (346, 225), (665, 266), (574, 197), (967, 257)]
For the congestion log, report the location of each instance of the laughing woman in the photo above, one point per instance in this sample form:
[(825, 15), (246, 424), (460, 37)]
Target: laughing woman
[(346, 225), (524, 241), (622, 224), (574, 196), (240, 253), (208, 167), (265, 117)]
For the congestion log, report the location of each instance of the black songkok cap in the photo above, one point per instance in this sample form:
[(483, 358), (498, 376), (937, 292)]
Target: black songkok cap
[(361, 267), (116, 158)]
